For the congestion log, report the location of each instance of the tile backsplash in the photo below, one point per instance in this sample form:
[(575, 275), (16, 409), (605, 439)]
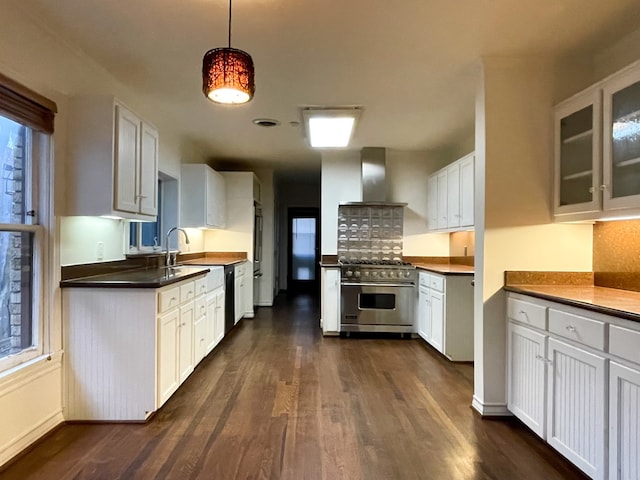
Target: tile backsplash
[(370, 232), (616, 254)]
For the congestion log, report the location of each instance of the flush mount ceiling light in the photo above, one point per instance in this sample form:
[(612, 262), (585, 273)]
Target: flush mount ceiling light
[(330, 127), (227, 74)]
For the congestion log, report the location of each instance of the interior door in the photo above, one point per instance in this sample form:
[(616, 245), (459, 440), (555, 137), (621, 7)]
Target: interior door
[(303, 250)]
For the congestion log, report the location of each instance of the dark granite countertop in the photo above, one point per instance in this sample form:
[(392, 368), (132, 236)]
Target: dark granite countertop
[(213, 262), (138, 278)]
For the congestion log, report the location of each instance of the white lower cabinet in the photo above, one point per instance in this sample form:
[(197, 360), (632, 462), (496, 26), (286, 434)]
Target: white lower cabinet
[(168, 347), (577, 406), (330, 302), (200, 331), (526, 371), (624, 422), (128, 350), (445, 314), (573, 377)]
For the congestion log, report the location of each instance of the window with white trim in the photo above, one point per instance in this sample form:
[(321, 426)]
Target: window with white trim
[(25, 128)]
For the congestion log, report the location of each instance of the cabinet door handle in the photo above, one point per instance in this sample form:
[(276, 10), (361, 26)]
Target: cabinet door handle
[(592, 189), (524, 314), (540, 357), (571, 328), (603, 187)]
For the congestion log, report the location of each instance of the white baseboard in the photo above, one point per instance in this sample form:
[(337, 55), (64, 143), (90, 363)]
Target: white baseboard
[(10, 450), (490, 409)]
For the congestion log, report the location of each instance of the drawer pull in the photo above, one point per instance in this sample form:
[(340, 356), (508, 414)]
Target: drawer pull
[(571, 328), (524, 314), (540, 357)]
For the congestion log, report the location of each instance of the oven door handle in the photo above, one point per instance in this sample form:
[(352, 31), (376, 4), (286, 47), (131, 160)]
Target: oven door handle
[(352, 284)]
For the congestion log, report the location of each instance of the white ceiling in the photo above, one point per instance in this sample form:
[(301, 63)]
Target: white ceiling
[(409, 63)]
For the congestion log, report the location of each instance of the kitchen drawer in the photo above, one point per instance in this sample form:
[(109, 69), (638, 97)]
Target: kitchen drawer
[(240, 269), (528, 313), (187, 291), (425, 280), (201, 286), (167, 299), (201, 306), (437, 283), (624, 343), (575, 327)]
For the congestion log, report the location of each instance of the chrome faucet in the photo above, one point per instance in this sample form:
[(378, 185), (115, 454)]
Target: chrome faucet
[(169, 262)]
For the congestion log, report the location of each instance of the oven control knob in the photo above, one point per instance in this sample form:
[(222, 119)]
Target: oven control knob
[(392, 274), (383, 274), (366, 273), (374, 274), (349, 273), (357, 274)]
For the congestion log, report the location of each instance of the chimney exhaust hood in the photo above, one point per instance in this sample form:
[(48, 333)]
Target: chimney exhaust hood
[(374, 185)]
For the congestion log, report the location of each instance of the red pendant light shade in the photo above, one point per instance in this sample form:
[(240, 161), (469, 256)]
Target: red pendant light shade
[(228, 76)]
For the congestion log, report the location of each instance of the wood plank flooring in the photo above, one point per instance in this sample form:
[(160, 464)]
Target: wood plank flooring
[(276, 400)]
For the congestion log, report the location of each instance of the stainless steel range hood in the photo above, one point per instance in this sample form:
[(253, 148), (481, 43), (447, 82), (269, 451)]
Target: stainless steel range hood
[(374, 184)]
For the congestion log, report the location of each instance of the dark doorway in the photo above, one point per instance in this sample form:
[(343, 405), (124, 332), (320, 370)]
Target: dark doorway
[(303, 261)]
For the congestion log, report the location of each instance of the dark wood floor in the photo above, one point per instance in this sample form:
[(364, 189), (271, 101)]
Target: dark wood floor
[(276, 400)]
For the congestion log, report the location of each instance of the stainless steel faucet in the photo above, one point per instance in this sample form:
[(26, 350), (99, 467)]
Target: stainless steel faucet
[(169, 262)]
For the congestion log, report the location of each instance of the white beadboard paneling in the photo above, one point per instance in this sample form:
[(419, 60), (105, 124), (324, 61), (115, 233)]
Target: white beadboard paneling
[(624, 417), (110, 339), (526, 377), (576, 406)]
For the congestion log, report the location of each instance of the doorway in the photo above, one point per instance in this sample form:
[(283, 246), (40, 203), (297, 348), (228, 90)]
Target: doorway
[(303, 250)]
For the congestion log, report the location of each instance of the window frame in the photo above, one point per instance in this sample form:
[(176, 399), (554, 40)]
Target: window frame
[(37, 114)]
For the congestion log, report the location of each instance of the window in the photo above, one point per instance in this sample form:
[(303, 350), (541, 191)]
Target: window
[(144, 236), (25, 125)]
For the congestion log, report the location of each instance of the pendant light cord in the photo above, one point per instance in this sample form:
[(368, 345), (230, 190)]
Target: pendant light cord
[(229, 23)]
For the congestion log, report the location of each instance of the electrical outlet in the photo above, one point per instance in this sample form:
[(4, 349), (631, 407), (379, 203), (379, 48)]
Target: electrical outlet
[(100, 251)]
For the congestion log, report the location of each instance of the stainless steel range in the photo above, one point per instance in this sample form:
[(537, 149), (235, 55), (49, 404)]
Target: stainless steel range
[(377, 296), (377, 289)]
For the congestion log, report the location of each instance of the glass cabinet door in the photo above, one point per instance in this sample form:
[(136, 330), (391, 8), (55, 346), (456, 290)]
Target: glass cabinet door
[(577, 155), (621, 152)]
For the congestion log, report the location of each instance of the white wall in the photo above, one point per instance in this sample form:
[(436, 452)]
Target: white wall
[(406, 176), (513, 207), (79, 238), (31, 396), (341, 181), (302, 191)]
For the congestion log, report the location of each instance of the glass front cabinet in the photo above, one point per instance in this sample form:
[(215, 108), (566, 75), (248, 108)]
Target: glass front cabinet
[(597, 150), (621, 147), (578, 154)]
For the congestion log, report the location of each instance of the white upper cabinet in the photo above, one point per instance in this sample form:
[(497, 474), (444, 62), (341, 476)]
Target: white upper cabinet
[(621, 147), (467, 189), (597, 150), (113, 161), (453, 195), (203, 199), (432, 203), (450, 193), (577, 154)]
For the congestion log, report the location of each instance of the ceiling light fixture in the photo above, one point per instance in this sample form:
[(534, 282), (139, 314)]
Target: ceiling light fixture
[(227, 74), (330, 127)]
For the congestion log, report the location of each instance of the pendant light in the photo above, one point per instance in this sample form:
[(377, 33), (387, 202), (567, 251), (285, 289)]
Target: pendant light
[(227, 74)]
